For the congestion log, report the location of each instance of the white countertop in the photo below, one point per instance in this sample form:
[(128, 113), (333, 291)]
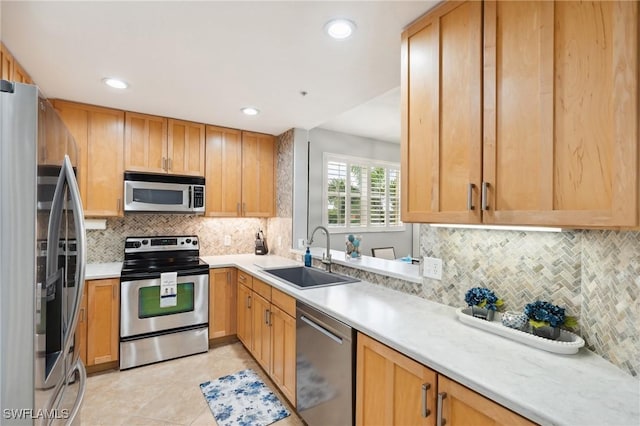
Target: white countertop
[(98, 271), (581, 389), (390, 268)]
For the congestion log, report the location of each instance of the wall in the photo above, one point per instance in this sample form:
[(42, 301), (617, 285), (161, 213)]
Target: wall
[(340, 143), (594, 274)]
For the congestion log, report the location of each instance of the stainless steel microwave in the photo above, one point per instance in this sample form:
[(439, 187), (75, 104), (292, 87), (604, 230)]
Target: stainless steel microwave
[(160, 193)]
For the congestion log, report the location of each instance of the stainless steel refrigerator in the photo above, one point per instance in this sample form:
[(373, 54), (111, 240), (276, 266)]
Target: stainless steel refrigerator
[(42, 262)]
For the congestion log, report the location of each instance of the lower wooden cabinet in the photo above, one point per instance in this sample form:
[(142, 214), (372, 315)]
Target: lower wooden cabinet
[(462, 406), (103, 320), (223, 294), (267, 328), (392, 389)]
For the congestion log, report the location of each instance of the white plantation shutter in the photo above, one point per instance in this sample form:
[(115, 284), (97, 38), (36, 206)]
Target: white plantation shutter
[(361, 195)]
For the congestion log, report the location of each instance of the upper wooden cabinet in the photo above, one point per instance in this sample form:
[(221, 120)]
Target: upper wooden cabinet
[(99, 135), (10, 69), (240, 173), (223, 173), (185, 148), (559, 99), (441, 150), (258, 174), (145, 143)]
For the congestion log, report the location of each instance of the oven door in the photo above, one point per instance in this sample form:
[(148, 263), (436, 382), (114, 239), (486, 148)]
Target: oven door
[(141, 312)]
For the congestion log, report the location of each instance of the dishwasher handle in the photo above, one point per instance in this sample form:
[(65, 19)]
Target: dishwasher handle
[(322, 330)]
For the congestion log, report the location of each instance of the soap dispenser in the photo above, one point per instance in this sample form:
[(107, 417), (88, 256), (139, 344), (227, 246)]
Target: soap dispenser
[(307, 257)]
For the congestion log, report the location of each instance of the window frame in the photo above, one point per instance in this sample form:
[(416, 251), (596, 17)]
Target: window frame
[(359, 162)]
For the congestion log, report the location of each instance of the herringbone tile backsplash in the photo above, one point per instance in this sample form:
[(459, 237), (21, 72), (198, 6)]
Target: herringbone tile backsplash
[(595, 275)]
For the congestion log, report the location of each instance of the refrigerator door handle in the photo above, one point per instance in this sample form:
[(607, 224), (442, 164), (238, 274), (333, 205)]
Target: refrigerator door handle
[(82, 387), (55, 220), (81, 256)]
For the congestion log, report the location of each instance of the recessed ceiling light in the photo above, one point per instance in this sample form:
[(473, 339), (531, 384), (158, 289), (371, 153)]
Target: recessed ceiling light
[(250, 111), (115, 83), (340, 28)]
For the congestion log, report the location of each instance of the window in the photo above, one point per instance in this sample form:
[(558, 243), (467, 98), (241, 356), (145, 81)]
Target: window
[(361, 195)]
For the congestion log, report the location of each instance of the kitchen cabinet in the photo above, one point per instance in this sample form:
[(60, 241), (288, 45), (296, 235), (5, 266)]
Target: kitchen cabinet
[(267, 328), (10, 69), (462, 406), (99, 135), (223, 172), (393, 389), (240, 173), (222, 302), (185, 148), (554, 144), (145, 143), (244, 309), (103, 320), (81, 330)]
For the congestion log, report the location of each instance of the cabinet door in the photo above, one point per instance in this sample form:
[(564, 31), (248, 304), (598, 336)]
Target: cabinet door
[(222, 302), (560, 88), (258, 174), (283, 355), (462, 406), (6, 63), (81, 330), (103, 331), (261, 344), (145, 143), (441, 141), (20, 75), (99, 135), (223, 172), (185, 145), (245, 319), (392, 389)]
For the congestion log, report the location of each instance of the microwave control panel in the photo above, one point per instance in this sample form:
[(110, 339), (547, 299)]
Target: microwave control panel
[(198, 196)]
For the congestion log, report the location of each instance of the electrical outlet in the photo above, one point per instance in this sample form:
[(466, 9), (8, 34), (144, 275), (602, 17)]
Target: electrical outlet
[(227, 240), (301, 243), (432, 268)]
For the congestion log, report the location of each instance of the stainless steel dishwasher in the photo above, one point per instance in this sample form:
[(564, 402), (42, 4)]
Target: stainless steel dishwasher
[(324, 367)]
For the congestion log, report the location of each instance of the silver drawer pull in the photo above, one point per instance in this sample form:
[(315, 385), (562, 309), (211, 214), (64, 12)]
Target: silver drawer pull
[(425, 405), (470, 205), (485, 201), (440, 421)]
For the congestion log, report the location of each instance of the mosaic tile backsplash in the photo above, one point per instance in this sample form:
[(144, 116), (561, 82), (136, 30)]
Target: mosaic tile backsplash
[(594, 274)]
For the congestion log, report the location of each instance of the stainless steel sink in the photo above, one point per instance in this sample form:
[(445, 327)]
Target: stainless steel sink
[(305, 277)]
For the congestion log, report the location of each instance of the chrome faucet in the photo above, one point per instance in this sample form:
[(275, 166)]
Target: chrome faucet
[(326, 258)]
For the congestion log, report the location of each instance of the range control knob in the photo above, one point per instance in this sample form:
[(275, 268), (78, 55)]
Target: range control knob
[(145, 242), (137, 244), (195, 242), (188, 240)]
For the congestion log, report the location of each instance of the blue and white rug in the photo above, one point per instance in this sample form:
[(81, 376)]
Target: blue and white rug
[(242, 399)]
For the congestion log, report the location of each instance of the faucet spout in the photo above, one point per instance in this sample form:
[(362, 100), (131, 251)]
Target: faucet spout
[(326, 257)]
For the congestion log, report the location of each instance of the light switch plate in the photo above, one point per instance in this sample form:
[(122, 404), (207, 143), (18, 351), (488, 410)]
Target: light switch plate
[(301, 243), (432, 268)]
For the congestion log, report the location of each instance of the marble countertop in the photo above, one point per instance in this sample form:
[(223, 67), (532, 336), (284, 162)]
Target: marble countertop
[(551, 389), (390, 268)]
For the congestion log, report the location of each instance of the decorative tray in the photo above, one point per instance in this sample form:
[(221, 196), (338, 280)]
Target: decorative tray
[(568, 343)]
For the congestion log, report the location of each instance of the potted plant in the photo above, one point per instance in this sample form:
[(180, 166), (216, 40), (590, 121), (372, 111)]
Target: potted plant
[(483, 302), (546, 319)]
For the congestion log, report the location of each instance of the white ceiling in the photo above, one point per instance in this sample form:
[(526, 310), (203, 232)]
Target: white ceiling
[(203, 61)]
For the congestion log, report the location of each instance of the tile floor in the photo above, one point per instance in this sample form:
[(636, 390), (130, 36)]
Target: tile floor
[(167, 393)]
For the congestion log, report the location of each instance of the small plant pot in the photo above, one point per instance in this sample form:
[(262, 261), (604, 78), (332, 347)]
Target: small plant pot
[(482, 313), (547, 332)]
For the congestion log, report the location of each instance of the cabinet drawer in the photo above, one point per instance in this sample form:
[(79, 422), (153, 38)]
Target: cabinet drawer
[(245, 279), (283, 301), (263, 289)]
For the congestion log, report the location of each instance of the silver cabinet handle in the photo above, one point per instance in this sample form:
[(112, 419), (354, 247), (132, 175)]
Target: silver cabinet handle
[(266, 316), (238, 209), (425, 403), (470, 205), (440, 421), (485, 201), (248, 302), (244, 209), (170, 164), (164, 163)]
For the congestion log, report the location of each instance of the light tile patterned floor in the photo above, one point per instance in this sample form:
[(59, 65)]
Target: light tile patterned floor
[(167, 393)]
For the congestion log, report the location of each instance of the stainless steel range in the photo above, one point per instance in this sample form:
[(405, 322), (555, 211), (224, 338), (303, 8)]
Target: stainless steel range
[(164, 300)]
